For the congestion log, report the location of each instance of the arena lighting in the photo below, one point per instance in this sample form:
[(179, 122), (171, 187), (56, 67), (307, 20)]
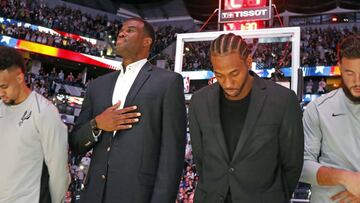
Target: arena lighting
[(334, 19), (58, 53)]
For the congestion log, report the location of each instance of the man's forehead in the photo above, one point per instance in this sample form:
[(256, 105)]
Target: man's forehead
[(350, 63), (133, 23), (7, 74), (4, 72), (4, 76)]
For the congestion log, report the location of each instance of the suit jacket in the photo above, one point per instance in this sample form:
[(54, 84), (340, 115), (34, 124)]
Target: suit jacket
[(268, 158), (143, 164)]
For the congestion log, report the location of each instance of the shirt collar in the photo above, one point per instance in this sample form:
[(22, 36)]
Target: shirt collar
[(2, 109), (134, 66), (347, 100)]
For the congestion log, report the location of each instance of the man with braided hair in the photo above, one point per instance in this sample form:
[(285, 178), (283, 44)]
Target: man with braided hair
[(252, 149)]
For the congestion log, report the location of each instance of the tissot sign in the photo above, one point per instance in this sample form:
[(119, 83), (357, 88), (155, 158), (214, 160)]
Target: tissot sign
[(244, 10), (244, 14)]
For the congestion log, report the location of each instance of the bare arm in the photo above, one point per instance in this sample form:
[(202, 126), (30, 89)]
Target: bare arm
[(327, 176)]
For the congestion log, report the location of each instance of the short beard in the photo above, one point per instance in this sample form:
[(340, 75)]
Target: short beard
[(348, 94), (10, 103)]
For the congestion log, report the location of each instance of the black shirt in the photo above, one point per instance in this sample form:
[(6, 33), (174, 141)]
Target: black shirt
[(233, 114)]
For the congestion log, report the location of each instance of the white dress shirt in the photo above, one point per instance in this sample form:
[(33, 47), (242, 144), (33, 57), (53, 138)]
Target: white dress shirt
[(125, 80)]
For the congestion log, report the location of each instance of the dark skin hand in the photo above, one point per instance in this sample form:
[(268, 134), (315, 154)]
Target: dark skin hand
[(113, 118)]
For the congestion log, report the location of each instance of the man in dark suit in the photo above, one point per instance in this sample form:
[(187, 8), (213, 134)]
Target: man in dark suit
[(135, 122), (246, 132)]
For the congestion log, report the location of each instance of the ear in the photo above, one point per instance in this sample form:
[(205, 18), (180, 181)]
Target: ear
[(339, 65), (249, 62), (147, 41), (20, 77)]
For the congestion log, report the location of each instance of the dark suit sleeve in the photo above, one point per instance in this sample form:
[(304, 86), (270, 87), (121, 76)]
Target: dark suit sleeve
[(81, 139), (291, 144), (173, 137), (196, 136)]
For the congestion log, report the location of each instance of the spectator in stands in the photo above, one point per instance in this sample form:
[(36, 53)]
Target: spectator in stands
[(70, 78), (191, 198), (53, 73), (245, 131), (42, 90), (146, 151), (331, 124), (78, 45), (33, 150), (73, 21), (187, 184), (321, 86), (41, 71), (318, 48), (60, 17), (62, 90), (309, 87), (181, 194), (61, 75)]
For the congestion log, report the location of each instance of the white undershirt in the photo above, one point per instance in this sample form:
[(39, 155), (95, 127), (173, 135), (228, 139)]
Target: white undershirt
[(125, 81)]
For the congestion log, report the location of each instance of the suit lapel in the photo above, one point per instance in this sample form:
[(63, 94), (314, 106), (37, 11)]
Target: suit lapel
[(257, 100), (214, 109), (109, 94), (140, 79)]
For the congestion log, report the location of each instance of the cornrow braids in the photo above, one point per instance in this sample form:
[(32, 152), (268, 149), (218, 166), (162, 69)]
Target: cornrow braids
[(229, 43)]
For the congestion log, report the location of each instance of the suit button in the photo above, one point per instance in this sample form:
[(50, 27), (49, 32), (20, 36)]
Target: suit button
[(231, 170), (103, 177), (108, 149)]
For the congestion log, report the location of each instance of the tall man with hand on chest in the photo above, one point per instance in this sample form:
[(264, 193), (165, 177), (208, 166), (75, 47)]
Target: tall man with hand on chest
[(134, 119)]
